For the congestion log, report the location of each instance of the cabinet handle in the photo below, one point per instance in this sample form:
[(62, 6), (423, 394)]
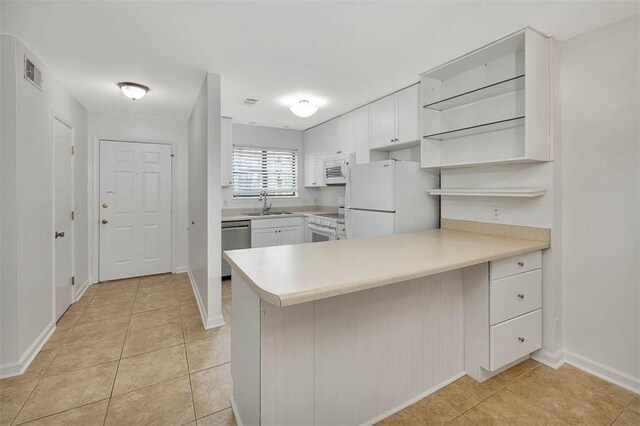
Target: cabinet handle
[(520, 296), (338, 152), (521, 339), (395, 140), (521, 264)]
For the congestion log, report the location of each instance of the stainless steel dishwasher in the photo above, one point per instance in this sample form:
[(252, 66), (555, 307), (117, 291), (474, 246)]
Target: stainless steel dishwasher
[(236, 234)]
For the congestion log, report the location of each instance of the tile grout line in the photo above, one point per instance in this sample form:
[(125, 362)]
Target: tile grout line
[(38, 380), (115, 376), (186, 355), (496, 391)]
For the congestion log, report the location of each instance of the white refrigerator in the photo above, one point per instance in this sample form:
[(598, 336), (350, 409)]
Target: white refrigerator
[(390, 197)]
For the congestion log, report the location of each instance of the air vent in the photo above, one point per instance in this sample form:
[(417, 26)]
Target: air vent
[(32, 73), (250, 101)]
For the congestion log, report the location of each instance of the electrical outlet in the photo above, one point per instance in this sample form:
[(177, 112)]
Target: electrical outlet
[(496, 214)]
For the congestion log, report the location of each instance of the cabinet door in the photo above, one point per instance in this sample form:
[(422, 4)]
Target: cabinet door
[(226, 152), (347, 136), (324, 136), (408, 114), (383, 119), (290, 235), (310, 142), (332, 137), (264, 237), (361, 135)]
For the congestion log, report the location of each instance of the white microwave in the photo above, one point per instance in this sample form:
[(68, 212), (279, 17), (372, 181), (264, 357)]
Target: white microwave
[(335, 170)]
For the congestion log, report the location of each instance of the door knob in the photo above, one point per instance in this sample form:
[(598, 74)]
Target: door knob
[(521, 339), (105, 221), (105, 205), (520, 296), (59, 234)]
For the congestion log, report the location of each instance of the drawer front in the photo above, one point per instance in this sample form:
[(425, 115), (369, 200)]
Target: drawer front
[(515, 295), (516, 264), (278, 222), (515, 338)]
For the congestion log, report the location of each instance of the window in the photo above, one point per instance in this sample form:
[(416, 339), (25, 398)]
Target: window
[(264, 169)]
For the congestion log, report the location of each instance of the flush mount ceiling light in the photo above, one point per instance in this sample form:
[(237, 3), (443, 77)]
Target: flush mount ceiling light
[(133, 91), (303, 108)]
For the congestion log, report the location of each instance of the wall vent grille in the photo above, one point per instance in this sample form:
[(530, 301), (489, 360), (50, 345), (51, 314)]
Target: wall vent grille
[(32, 73)]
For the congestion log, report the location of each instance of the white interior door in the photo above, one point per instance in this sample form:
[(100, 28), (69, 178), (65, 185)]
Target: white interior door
[(63, 205), (135, 209)]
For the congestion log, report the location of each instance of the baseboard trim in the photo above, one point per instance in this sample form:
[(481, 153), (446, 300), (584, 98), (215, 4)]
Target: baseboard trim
[(82, 289), (18, 368), (414, 399), (207, 322), (234, 408), (607, 373), (182, 269), (194, 287), (215, 322), (553, 360)]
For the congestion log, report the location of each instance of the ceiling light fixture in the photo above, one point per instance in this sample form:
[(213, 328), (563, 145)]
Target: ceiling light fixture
[(303, 108), (133, 91)]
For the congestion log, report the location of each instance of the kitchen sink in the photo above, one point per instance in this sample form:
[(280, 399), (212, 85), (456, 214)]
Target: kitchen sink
[(266, 214)]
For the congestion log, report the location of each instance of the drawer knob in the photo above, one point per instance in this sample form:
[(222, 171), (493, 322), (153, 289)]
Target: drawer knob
[(521, 339), (521, 264), (520, 296)]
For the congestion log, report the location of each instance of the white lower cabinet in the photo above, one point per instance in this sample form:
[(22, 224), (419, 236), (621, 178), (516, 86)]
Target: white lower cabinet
[(276, 232), (502, 313), (515, 338)]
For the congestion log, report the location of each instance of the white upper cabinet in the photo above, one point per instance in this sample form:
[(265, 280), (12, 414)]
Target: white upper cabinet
[(313, 157), (408, 114), (346, 137), (383, 122), (395, 120), (490, 106), (361, 135), (226, 152)]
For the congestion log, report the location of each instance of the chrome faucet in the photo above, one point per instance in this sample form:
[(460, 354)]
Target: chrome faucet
[(263, 196)]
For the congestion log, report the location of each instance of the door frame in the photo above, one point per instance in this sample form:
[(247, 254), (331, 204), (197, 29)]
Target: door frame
[(56, 117), (94, 201)]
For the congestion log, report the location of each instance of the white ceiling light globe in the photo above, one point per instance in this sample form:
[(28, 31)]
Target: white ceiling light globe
[(133, 91), (303, 108)]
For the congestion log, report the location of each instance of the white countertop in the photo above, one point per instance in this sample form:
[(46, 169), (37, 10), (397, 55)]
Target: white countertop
[(288, 275)]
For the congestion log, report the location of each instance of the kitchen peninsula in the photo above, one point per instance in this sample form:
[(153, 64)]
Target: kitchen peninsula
[(348, 332)]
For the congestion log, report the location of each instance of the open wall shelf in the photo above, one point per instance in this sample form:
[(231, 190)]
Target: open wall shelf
[(492, 192), (480, 128), (492, 90)]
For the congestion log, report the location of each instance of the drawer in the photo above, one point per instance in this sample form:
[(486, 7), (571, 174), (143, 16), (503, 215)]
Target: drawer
[(515, 295), (514, 339), (278, 222), (516, 264)]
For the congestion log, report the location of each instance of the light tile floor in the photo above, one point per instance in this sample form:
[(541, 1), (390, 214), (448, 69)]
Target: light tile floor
[(134, 352), (129, 352), (527, 394)]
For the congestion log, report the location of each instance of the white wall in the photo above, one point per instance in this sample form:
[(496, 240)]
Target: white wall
[(270, 137), (600, 156), (204, 201), (26, 282), (127, 127)]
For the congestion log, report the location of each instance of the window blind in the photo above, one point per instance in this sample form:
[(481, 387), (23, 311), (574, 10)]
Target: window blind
[(264, 169)]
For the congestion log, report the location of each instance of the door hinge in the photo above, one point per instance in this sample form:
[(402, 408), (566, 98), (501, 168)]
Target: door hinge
[(73, 215), (73, 280), (73, 150)]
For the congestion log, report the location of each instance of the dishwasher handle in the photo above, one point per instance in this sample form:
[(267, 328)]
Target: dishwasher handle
[(236, 227)]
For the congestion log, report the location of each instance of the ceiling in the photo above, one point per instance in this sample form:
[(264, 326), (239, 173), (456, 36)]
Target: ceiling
[(344, 53)]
